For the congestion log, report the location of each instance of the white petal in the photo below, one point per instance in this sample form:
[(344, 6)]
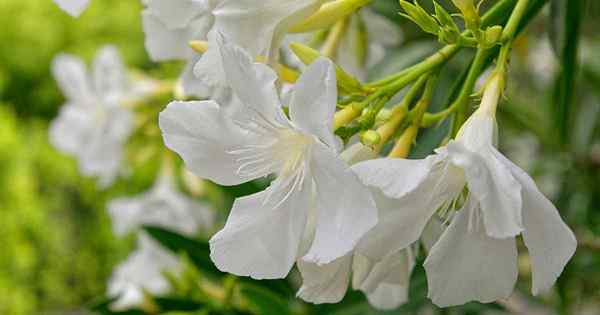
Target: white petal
[(356, 153), (263, 232), (388, 296), (177, 13), (384, 282), (72, 78), (327, 283), (259, 27), (479, 132), (252, 83), (493, 185), (345, 208), (467, 265), (163, 43), (203, 136), (395, 177), (70, 131), (314, 101), (432, 233), (403, 220), (73, 7), (550, 242), (110, 76)]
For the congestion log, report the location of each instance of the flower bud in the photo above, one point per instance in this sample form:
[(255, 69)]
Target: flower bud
[(328, 15), (491, 36), (419, 16), (469, 12), (370, 138), (308, 55)]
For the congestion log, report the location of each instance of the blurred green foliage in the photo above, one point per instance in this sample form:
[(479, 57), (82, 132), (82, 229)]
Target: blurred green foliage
[(57, 247)]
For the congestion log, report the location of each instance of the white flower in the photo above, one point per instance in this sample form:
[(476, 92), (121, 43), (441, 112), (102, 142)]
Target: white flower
[(475, 258), (263, 232), (141, 272), (385, 282), (73, 7), (162, 206), (93, 125)]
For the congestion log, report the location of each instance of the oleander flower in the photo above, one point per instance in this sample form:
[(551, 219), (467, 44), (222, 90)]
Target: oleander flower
[(141, 272), (73, 7), (93, 125), (162, 206), (264, 231), (475, 258), (385, 282)]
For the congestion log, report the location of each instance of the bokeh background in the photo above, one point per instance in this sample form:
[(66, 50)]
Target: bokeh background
[(57, 249)]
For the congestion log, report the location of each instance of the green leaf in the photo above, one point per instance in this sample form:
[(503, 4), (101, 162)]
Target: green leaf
[(102, 307), (177, 304), (264, 302), (568, 52), (198, 252)]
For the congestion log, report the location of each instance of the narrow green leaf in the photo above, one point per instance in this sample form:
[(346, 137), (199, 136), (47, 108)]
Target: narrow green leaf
[(566, 82)]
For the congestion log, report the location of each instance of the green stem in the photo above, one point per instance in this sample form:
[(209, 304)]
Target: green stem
[(515, 19), (492, 16)]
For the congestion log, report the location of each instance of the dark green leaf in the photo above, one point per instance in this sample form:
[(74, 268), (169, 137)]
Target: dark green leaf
[(568, 51), (198, 252), (263, 301)]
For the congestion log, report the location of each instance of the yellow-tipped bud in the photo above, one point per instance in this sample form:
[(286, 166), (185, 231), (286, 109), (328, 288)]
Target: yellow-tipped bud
[(328, 14), (308, 55), (370, 138), (346, 115), (404, 143), (199, 46)]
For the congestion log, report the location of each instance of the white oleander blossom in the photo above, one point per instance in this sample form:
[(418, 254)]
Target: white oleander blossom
[(385, 282), (476, 256), (93, 125), (73, 7), (264, 231), (161, 206), (141, 272)]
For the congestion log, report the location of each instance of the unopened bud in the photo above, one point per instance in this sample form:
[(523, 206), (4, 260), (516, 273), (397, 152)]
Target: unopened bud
[(308, 55), (370, 138), (469, 12), (199, 46), (419, 16), (328, 15), (491, 36)]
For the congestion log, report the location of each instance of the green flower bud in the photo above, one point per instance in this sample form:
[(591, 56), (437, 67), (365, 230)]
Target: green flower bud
[(419, 16), (492, 36)]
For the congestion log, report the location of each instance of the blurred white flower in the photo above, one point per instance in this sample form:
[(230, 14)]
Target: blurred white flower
[(141, 272), (93, 125), (161, 206), (73, 7), (475, 258), (264, 231)]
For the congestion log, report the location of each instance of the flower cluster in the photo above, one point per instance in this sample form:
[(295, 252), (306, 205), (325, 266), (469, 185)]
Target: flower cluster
[(340, 210)]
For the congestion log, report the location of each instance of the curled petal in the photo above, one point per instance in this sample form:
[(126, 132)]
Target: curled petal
[(314, 101), (494, 186)]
